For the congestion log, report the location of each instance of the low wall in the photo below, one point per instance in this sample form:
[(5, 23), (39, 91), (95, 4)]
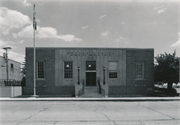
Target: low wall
[(79, 90), (105, 90), (49, 90), (7, 91), (117, 91), (130, 91)]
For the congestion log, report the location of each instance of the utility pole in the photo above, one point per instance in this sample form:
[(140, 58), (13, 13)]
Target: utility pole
[(6, 58)]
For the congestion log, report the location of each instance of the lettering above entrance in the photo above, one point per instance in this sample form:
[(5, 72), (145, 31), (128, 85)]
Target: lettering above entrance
[(90, 54)]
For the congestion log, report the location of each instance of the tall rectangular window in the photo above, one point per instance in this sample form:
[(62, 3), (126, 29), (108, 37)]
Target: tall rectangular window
[(112, 69), (139, 70), (12, 66), (40, 70), (68, 70)]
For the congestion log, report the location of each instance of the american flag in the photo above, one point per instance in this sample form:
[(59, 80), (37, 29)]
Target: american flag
[(34, 19)]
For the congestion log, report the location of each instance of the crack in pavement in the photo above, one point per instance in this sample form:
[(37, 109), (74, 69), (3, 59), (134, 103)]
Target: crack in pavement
[(55, 122), (15, 111), (141, 122), (34, 115), (101, 113), (104, 115), (80, 107), (114, 122), (172, 104), (156, 111), (160, 120), (95, 110)]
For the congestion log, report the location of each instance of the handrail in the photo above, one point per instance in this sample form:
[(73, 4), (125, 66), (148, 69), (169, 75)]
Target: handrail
[(79, 89), (99, 85), (83, 86)]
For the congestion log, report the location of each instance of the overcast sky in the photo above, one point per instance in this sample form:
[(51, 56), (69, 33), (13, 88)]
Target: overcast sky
[(88, 23)]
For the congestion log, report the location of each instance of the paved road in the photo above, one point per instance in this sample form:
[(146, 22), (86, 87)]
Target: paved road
[(89, 113)]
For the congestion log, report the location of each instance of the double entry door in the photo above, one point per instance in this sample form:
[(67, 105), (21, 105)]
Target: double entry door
[(90, 73)]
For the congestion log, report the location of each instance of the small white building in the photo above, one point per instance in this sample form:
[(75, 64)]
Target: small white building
[(14, 78), (14, 70)]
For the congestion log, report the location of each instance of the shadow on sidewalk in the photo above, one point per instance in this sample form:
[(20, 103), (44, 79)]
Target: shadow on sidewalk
[(44, 96), (158, 92), (163, 92)]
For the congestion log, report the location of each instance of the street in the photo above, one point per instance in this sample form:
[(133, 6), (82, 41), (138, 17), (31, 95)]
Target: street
[(89, 113)]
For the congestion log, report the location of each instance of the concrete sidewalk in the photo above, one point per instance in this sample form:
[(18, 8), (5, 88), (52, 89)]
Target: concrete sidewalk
[(94, 99), (90, 113)]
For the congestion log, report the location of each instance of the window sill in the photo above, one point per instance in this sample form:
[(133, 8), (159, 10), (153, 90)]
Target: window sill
[(41, 79), (140, 79)]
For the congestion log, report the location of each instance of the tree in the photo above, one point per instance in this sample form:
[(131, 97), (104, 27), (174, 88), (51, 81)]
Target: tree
[(167, 69), (23, 71)]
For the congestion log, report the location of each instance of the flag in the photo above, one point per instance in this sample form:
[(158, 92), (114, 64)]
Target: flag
[(34, 19)]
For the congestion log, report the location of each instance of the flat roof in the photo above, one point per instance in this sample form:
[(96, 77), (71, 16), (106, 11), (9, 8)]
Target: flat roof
[(85, 48), (11, 60)]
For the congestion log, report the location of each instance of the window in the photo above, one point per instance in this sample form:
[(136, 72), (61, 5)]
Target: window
[(139, 70), (40, 70), (112, 69), (12, 66), (68, 70)]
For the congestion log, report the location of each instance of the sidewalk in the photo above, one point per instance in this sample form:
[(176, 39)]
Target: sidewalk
[(94, 99)]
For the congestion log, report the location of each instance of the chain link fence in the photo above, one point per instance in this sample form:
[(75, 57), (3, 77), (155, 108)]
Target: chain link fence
[(10, 82)]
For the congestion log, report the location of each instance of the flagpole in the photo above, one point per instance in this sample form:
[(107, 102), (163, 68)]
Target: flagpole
[(34, 52)]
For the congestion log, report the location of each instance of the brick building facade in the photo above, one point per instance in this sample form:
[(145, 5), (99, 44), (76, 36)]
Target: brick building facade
[(125, 71)]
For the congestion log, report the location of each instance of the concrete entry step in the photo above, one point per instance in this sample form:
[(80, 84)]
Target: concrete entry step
[(91, 92), (92, 95), (90, 89)]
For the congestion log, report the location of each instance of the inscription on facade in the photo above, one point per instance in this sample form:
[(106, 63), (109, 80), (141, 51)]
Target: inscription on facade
[(90, 55)]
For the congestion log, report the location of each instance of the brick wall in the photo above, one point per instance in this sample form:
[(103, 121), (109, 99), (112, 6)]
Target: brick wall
[(44, 86), (139, 86), (50, 90), (130, 86), (134, 87)]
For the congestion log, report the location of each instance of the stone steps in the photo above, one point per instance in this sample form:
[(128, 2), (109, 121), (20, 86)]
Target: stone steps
[(90, 89), (92, 95), (91, 92)]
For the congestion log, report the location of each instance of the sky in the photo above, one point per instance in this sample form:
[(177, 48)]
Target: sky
[(90, 23)]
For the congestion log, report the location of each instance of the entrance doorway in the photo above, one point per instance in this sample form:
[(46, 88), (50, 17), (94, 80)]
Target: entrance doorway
[(90, 73), (90, 78)]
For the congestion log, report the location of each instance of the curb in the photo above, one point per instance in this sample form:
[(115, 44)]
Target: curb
[(92, 99)]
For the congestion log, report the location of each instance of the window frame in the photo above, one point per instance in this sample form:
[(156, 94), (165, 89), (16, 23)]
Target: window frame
[(65, 70), (113, 71), (137, 75), (41, 78)]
